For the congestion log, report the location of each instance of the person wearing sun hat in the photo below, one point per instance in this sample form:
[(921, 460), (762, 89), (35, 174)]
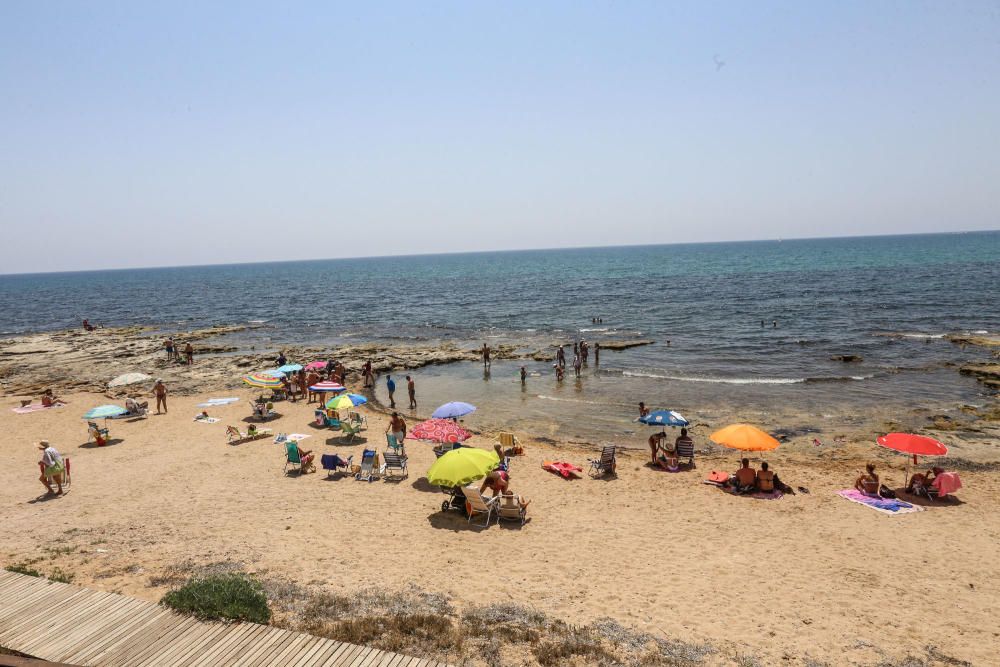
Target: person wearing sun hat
[(52, 467)]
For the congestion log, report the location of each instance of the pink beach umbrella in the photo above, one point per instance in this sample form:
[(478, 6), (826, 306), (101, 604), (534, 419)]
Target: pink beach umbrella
[(316, 366), (326, 385), (439, 430)]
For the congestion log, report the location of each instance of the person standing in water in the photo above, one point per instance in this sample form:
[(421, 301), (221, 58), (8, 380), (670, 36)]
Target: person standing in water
[(561, 356), (390, 385), (597, 354), (411, 389), (524, 376), (486, 356)]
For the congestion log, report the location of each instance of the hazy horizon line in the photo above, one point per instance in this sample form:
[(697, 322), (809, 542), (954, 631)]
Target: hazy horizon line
[(496, 251)]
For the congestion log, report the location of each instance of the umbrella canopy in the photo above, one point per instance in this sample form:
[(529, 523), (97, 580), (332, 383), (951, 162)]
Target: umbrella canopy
[(105, 411), (664, 418), (290, 368), (316, 365), (908, 443), (746, 437), (326, 385), (129, 378), (462, 466), (439, 430), (273, 373), (453, 409), (345, 401), (262, 381)]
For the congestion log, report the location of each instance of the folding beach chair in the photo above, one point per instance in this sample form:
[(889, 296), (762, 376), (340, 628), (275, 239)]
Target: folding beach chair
[(477, 504), (357, 419), (510, 509), (510, 444), (97, 434), (604, 465), (332, 463), (350, 430), (394, 462), (369, 463), (292, 457), (685, 450)]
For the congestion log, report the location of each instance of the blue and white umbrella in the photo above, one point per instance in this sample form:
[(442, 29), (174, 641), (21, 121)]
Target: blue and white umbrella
[(276, 373), (664, 418), (290, 368), (105, 411), (453, 409)]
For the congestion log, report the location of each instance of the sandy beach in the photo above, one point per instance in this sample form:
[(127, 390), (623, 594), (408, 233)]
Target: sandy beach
[(807, 579)]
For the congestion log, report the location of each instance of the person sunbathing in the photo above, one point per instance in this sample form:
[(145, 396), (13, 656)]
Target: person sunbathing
[(868, 482), (765, 478), (48, 400), (667, 459), (744, 479), (305, 458), (134, 407)]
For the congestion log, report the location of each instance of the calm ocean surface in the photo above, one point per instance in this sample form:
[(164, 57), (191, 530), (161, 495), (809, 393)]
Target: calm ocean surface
[(829, 297)]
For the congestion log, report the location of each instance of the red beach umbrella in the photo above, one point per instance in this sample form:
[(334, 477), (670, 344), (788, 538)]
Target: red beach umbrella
[(315, 365), (909, 443), (439, 430)]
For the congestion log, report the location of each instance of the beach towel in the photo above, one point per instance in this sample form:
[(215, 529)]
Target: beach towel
[(567, 470), (215, 402), (717, 477), (883, 505), (284, 437), (34, 407), (332, 462), (207, 420), (759, 495), (946, 482)]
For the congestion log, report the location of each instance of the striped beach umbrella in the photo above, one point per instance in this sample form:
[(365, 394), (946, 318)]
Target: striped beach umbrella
[(325, 386), (262, 381)]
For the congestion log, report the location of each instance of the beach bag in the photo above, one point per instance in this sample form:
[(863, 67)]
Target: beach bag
[(886, 492)]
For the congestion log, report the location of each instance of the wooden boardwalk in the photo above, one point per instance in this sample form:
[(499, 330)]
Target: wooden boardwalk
[(77, 626)]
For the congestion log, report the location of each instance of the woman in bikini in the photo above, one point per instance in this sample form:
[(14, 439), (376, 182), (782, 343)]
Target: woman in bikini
[(867, 482)]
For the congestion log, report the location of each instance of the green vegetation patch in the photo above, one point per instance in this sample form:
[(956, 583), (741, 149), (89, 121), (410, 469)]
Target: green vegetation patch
[(230, 596)]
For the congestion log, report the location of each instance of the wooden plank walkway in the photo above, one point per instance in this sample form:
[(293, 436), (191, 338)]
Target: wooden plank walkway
[(68, 624)]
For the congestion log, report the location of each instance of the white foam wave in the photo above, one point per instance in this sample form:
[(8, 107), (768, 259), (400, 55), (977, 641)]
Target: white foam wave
[(981, 332), (256, 321), (574, 400), (587, 330), (921, 335), (685, 378)]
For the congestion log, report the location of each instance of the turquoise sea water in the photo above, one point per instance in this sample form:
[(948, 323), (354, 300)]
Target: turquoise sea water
[(888, 299)]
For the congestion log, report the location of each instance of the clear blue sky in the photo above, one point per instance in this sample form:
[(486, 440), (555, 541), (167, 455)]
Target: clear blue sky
[(139, 134)]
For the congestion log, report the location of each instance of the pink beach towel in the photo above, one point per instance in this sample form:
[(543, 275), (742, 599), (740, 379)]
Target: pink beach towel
[(946, 482), (34, 407)]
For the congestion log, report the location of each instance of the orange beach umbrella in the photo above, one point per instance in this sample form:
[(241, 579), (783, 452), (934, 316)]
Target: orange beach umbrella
[(745, 437)]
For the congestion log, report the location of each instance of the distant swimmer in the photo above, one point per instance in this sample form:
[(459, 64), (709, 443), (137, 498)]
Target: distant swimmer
[(559, 373), (774, 324), (643, 410), (762, 324)]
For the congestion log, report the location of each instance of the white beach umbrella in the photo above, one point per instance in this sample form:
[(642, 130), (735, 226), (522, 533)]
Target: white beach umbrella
[(129, 378)]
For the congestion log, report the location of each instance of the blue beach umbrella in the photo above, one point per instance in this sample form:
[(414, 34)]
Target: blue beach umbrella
[(664, 418), (290, 368), (453, 409), (105, 411)]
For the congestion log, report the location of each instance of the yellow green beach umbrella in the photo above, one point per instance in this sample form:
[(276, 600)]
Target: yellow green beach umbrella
[(345, 402), (462, 466)]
